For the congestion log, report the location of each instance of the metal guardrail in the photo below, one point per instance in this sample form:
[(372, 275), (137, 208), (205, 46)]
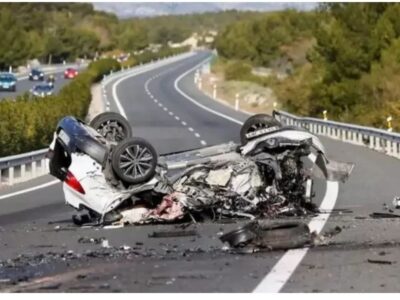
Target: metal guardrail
[(376, 139), (22, 167)]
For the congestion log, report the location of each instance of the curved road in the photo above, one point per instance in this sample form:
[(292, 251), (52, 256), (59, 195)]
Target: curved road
[(164, 106)]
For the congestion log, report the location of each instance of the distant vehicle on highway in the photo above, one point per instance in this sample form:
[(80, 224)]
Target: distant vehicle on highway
[(8, 82), (42, 90), (36, 75), (70, 73), (50, 80)]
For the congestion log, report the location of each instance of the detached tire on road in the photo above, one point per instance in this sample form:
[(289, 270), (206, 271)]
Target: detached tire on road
[(271, 235), (283, 236), (134, 161), (112, 126), (255, 123)]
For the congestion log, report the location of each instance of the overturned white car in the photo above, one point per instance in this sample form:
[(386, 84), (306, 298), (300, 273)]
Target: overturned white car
[(119, 178)]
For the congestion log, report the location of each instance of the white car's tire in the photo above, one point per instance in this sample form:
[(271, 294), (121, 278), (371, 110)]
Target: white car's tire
[(112, 126), (134, 161)]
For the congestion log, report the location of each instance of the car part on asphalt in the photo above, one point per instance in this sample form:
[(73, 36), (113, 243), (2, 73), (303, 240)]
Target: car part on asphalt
[(112, 126), (379, 261), (87, 240), (396, 202), (126, 182), (270, 235), (171, 234), (378, 215)]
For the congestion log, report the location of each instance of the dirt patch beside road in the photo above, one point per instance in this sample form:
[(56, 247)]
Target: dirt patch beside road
[(251, 97), (96, 105)]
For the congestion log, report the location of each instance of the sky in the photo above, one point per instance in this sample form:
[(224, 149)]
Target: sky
[(148, 9)]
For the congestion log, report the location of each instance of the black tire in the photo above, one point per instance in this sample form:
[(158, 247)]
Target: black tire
[(112, 126), (257, 122), (136, 152), (287, 235)]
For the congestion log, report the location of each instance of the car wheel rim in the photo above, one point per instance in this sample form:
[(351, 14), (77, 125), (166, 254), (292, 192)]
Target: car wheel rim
[(136, 161), (257, 126), (112, 131)]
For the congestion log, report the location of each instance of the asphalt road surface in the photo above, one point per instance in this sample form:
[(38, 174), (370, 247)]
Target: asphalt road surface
[(25, 85), (42, 251)]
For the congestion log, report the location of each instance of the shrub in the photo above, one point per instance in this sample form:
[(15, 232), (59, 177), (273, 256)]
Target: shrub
[(28, 123), (237, 70)]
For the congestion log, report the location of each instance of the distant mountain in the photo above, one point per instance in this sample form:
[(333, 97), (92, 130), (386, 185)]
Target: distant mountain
[(151, 9)]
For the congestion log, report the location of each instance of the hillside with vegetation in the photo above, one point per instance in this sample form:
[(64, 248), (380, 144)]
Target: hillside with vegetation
[(53, 32), (351, 65)]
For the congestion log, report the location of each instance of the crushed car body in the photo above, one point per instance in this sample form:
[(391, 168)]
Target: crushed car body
[(120, 178)]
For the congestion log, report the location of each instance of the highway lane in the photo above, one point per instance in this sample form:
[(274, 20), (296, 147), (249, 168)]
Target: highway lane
[(26, 227), (24, 84), (25, 219)]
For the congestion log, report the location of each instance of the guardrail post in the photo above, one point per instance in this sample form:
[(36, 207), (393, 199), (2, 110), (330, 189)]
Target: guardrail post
[(11, 176), (22, 171), (396, 145), (377, 143), (389, 147), (350, 136), (371, 141), (312, 128), (237, 101), (359, 138), (33, 169)]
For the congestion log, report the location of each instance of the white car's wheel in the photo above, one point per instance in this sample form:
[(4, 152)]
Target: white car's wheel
[(112, 126), (134, 161)]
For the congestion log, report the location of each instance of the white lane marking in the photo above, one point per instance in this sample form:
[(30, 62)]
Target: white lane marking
[(146, 87), (203, 143), (177, 118), (147, 68), (197, 103), (38, 187), (284, 268)]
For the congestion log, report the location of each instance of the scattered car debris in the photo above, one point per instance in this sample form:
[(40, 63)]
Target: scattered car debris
[(169, 234), (87, 240), (396, 202), (105, 244), (379, 215), (269, 235), (380, 262)]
